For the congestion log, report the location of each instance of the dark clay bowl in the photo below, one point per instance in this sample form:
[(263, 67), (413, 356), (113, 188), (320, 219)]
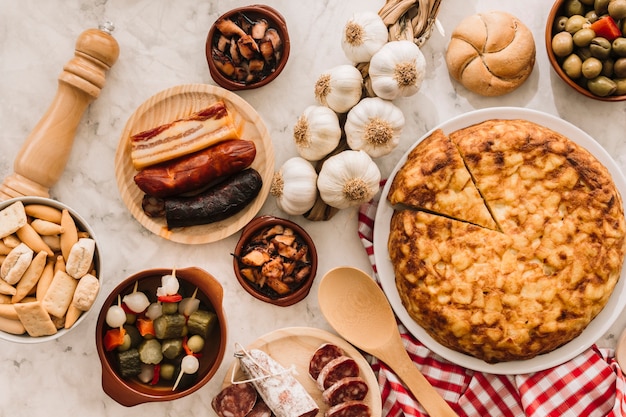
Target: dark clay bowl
[(556, 11), (251, 230), (272, 68), (130, 392)]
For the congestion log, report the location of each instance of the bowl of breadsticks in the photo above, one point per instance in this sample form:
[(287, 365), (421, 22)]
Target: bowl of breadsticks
[(49, 269)]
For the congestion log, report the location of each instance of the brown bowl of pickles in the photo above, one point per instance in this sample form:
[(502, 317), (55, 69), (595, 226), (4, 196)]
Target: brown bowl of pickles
[(161, 335)]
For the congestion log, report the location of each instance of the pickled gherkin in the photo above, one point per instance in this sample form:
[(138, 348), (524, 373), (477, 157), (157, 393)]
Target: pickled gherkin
[(129, 363), (201, 322), (169, 326), (171, 348)]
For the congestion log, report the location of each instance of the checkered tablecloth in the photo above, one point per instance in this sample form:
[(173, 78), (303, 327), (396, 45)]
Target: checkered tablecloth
[(591, 384)]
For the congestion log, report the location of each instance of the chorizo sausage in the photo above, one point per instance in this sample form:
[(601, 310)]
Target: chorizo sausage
[(346, 389), (324, 354), (341, 367), (236, 400), (217, 203), (349, 409), (197, 170)]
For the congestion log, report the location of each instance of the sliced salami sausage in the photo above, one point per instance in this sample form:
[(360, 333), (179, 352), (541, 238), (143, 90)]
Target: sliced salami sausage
[(346, 389), (260, 410), (324, 354), (349, 409), (236, 400), (338, 368)]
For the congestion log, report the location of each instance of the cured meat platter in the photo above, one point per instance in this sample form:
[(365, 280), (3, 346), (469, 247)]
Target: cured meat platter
[(175, 103), (295, 346)]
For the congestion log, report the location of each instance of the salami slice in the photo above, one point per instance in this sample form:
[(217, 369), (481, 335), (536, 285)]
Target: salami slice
[(324, 354), (338, 368), (346, 389), (260, 410), (349, 409), (236, 400), (277, 386)]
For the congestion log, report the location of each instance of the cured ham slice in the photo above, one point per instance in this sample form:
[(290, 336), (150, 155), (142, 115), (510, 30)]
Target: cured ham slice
[(181, 137)]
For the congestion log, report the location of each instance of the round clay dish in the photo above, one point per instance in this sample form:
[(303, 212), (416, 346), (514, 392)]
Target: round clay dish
[(253, 13), (254, 228)]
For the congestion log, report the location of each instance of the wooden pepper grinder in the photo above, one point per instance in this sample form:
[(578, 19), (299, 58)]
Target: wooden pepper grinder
[(43, 156)]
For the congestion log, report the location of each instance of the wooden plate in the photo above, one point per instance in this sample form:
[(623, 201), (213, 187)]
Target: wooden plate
[(172, 104), (295, 346)]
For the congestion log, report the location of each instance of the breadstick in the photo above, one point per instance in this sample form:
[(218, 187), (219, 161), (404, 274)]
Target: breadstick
[(59, 265), (11, 241), (11, 326), (45, 279), (73, 313), (5, 299), (54, 242), (70, 234), (8, 311), (40, 211), (34, 241), (30, 277), (6, 288), (4, 249), (46, 228)]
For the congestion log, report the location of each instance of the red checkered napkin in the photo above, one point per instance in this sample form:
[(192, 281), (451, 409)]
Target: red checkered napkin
[(591, 384)]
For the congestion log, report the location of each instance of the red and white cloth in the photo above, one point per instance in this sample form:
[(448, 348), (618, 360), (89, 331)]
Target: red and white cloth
[(591, 384)]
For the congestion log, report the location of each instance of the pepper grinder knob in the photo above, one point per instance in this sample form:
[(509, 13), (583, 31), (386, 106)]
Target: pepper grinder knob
[(44, 155)]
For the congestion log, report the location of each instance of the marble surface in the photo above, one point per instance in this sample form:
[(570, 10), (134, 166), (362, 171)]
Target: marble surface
[(162, 45)]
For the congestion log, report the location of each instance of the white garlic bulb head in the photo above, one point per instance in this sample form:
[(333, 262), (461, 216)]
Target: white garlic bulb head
[(349, 178), (339, 88), (374, 125), (295, 186), (317, 132), (363, 35), (397, 70)]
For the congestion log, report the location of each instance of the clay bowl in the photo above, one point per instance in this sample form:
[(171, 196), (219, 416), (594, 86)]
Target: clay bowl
[(132, 391), (265, 293), (81, 225), (556, 12), (271, 69)]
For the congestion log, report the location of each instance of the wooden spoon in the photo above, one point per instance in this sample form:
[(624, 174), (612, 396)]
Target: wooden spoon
[(358, 310)]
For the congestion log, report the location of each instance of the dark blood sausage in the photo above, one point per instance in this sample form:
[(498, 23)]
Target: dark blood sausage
[(346, 389), (339, 368), (217, 203), (324, 354), (197, 170), (236, 400), (349, 409)]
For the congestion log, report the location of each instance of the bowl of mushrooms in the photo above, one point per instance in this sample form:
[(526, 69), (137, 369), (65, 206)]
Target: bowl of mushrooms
[(247, 47)]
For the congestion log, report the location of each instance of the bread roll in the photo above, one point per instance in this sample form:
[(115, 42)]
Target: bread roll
[(491, 53)]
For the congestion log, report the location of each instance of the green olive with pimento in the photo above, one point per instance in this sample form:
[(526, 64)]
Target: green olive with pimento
[(589, 44)]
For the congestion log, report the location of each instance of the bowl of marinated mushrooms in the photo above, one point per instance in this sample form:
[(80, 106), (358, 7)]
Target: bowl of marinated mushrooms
[(275, 260), (586, 46), (247, 47), (161, 335)]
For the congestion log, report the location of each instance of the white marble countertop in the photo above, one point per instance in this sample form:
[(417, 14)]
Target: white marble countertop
[(162, 45)]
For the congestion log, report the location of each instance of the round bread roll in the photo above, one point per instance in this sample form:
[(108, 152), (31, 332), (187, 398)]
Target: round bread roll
[(491, 53)]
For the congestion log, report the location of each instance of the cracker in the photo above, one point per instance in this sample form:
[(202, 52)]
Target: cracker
[(59, 294), (35, 319), (16, 263), (12, 218), (80, 257)]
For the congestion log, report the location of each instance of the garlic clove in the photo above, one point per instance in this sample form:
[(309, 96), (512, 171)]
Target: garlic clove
[(295, 186), (397, 70), (316, 133), (339, 88)]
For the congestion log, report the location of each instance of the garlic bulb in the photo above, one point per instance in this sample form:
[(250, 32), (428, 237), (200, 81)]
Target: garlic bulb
[(317, 132), (374, 125), (397, 70), (347, 179), (295, 186), (363, 35), (339, 88)]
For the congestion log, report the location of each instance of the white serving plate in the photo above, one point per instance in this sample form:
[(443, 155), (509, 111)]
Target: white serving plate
[(594, 331)]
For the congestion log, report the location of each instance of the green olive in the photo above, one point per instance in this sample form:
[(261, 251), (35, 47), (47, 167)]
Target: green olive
[(125, 344), (562, 44), (583, 37), (602, 86), (619, 68), (591, 16), (591, 68), (572, 66), (619, 46), (583, 53), (575, 23), (621, 86), (601, 6), (607, 67), (166, 371), (559, 24), (600, 47), (617, 9), (574, 7), (587, 2)]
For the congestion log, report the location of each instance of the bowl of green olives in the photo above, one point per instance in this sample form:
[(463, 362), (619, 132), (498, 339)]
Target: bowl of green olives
[(586, 45)]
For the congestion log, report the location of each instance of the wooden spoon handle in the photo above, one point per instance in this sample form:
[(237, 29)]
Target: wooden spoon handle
[(399, 361)]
